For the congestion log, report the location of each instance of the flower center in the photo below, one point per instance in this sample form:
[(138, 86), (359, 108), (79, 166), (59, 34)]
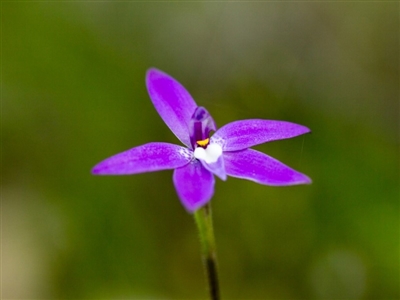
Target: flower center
[(201, 124), (210, 154)]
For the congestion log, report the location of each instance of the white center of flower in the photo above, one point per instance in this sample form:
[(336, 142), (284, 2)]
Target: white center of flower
[(210, 154)]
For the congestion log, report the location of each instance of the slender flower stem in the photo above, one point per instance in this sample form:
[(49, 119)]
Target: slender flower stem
[(204, 223)]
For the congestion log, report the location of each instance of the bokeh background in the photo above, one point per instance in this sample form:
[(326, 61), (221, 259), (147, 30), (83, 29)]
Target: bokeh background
[(73, 94)]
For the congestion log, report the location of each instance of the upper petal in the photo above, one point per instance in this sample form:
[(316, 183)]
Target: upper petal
[(172, 101), (146, 158), (244, 134), (194, 185), (261, 168)]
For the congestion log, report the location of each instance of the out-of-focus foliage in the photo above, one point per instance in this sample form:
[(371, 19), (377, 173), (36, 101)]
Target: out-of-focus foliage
[(73, 93)]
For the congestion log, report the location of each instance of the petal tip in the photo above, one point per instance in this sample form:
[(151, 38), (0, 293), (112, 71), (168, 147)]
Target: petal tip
[(301, 179), (307, 130), (192, 206), (222, 176), (307, 180), (97, 170), (193, 209), (154, 72), (302, 129)]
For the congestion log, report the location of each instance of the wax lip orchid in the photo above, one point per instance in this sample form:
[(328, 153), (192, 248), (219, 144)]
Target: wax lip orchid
[(225, 153)]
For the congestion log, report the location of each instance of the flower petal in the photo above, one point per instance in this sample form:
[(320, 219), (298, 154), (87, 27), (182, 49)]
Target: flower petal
[(172, 102), (217, 168), (261, 168), (194, 185), (244, 134), (146, 158)]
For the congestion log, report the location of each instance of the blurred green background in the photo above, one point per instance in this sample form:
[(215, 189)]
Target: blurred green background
[(73, 94)]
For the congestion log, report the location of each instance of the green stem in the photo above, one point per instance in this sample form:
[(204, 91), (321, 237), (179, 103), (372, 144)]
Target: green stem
[(203, 219)]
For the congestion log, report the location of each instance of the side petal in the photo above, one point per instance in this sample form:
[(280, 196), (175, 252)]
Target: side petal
[(146, 158), (261, 168), (172, 102), (244, 134), (194, 185)]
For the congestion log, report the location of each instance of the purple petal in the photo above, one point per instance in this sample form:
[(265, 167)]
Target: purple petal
[(173, 103), (244, 134), (261, 168), (146, 158), (194, 185), (217, 168)]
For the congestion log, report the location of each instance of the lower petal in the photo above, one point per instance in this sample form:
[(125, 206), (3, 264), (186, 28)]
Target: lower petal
[(194, 185), (217, 168), (146, 158), (261, 168)]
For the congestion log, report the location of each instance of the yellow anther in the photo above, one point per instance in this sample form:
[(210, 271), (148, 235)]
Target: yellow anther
[(203, 143)]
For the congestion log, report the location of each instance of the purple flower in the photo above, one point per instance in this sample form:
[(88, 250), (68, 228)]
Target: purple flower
[(226, 152)]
